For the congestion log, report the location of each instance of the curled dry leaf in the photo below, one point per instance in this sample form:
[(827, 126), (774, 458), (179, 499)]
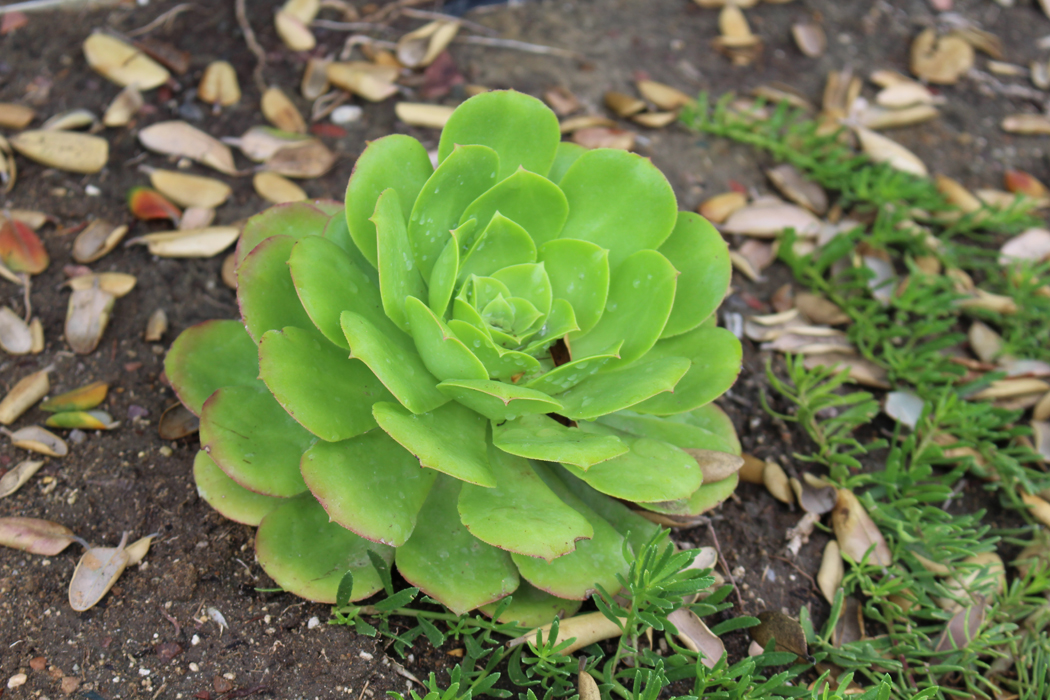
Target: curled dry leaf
[(1026, 124), (294, 32), (957, 194), (904, 407), (587, 629), (97, 240), (587, 687), (149, 205), (260, 143), (123, 64), (196, 217), (156, 326), (1009, 388), (1033, 244), (138, 550), (35, 536), (985, 343), (962, 627), (177, 422), (809, 38), (829, 578), (190, 190), (601, 137), (15, 336), (70, 121), (716, 465), (281, 111), (785, 631), (116, 283), (97, 571), (87, 318), (586, 121), (425, 115), (776, 482), (23, 395), (198, 243), (718, 208), (1020, 182), (36, 439), (36, 331), (793, 185), (856, 532), (373, 83), (878, 118), (695, 636), (177, 138), (421, 47), (905, 94), (307, 159), (124, 107), (277, 189), (15, 116), (18, 475), (1038, 507), (884, 150), (315, 78), (819, 310), (84, 420), (561, 101), (219, 85), (623, 105), (940, 60), (655, 120), (663, 96), (63, 150), (814, 495), (767, 220), (80, 399)]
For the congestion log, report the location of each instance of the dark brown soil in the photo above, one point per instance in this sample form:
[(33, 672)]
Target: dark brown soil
[(131, 480)]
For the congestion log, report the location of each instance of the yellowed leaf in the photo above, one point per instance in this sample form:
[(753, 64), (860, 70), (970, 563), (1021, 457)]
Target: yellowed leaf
[(219, 85), (277, 189), (425, 115), (281, 112), (199, 243), (177, 138), (856, 532), (122, 63), (190, 190), (64, 150), (23, 395)]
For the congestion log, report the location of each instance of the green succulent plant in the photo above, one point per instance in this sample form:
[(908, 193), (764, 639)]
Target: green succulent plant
[(479, 372)]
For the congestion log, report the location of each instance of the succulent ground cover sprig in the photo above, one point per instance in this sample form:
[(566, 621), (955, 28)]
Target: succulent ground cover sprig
[(468, 370)]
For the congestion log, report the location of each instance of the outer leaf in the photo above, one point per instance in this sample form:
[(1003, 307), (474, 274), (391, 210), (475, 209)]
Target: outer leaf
[(503, 243), (337, 232), (641, 295), (700, 254), (458, 181), (392, 357), (328, 393), (579, 273), (597, 560), (369, 484), (705, 428), (564, 157), (296, 219), (254, 440), (209, 356), (399, 277), (520, 128), (446, 269), (265, 291), (716, 359), (530, 607), (609, 392), (450, 439), (498, 401), (619, 200), (530, 200), (543, 438), (306, 554), (443, 353), (704, 499), (328, 281), (396, 161), (568, 375), (448, 563), (651, 471), (632, 526), (500, 364), (521, 514), (228, 497)]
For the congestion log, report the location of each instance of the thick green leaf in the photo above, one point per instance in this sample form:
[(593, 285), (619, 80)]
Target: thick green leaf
[(641, 294), (448, 563), (338, 233), (225, 495), (700, 254), (521, 514), (392, 356), (528, 281), (609, 392), (651, 471), (716, 356), (501, 244), (265, 292), (564, 157), (396, 161), (568, 375), (399, 276), (328, 393), (463, 177), (530, 200), (530, 607), (254, 440), (446, 270), (328, 282), (209, 356), (500, 364), (295, 219), (443, 353), (597, 560), (498, 401), (704, 428), (543, 438), (307, 554), (560, 322), (619, 200), (579, 273), (629, 524), (520, 128), (704, 499), (450, 439), (369, 484)]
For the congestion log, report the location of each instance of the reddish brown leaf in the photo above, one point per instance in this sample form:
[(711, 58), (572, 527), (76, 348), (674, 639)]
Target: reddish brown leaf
[(21, 250), (148, 204)]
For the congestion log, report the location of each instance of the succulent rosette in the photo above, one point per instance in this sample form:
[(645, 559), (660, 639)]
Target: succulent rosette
[(481, 372)]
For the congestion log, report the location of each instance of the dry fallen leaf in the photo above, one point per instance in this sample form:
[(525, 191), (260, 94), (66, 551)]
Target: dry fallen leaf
[(280, 111), (306, 159), (655, 120), (36, 330), (421, 47), (663, 96), (315, 78), (84, 420), (587, 629), (1020, 182), (884, 150), (901, 95), (260, 143), (586, 686), (623, 105), (199, 243), (957, 194), (124, 107), (8, 166), (177, 138), (15, 116), (829, 578), (87, 318), (718, 208), (776, 482), (985, 342), (70, 121), (856, 532), (586, 121), (64, 150), (601, 137), (97, 240), (190, 190), (21, 250), (793, 185), (156, 326), (373, 83), (15, 337), (177, 422), (18, 476), (904, 407), (116, 283), (561, 101), (23, 395), (809, 38), (814, 495), (79, 399), (277, 189), (97, 571), (196, 217), (219, 85), (785, 631), (36, 439), (767, 220), (1026, 124), (35, 536), (940, 60), (879, 118), (425, 115), (695, 636), (294, 32), (819, 310), (123, 64), (962, 627), (138, 550)]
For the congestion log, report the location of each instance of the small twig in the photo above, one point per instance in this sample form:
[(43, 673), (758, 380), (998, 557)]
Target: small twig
[(253, 45), (163, 18), (516, 45), (362, 694), (384, 13), (172, 620), (795, 566), (25, 291), (466, 23), (725, 565), (349, 26)]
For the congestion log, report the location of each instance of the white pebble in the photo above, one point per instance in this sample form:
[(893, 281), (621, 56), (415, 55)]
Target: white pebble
[(347, 114), (312, 622), (195, 641), (194, 667), (143, 671), (17, 680), (365, 655), (92, 191)]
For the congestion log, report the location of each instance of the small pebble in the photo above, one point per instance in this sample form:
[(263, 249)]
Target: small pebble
[(365, 655), (136, 411), (195, 641), (92, 191), (194, 667), (77, 436), (312, 622), (143, 671), (16, 680), (347, 114), (165, 451)]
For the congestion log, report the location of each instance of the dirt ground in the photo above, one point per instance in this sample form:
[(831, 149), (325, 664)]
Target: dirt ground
[(131, 480)]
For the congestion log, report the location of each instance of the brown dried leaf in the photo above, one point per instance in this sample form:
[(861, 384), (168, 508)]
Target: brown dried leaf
[(219, 85), (623, 105), (15, 116), (733, 25), (367, 80), (35, 536), (97, 571), (1026, 124), (307, 159), (751, 470), (421, 114), (664, 96), (940, 60), (829, 578), (776, 482), (177, 138), (97, 240), (767, 220), (190, 190), (793, 185), (884, 150), (315, 78), (79, 399), (177, 422), (718, 208), (655, 120), (695, 636), (819, 310), (600, 137), (15, 337), (586, 686), (985, 343), (716, 465), (419, 48), (260, 143), (87, 318), (295, 33), (850, 625), (123, 64), (116, 283), (809, 38), (168, 55), (962, 627), (197, 243), (124, 107), (957, 194), (784, 630), (18, 476), (64, 150), (277, 189), (23, 395), (280, 111), (561, 101), (36, 330), (856, 532), (759, 254), (36, 439)]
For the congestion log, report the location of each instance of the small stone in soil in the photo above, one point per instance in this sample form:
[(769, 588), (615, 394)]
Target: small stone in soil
[(166, 651), (221, 685), (70, 684), (38, 663)]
